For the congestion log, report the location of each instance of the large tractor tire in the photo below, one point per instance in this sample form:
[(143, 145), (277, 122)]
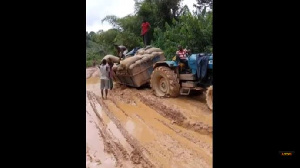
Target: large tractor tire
[(164, 82), (209, 97)]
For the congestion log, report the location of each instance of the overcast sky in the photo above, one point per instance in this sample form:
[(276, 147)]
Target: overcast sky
[(96, 10)]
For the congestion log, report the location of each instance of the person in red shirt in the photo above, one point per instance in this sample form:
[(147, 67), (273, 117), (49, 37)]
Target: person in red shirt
[(145, 29)]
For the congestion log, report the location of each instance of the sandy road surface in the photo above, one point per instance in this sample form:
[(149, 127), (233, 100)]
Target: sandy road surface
[(133, 128)]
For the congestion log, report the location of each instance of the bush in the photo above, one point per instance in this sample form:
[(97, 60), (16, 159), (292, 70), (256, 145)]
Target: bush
[(89, 63), (194, 32)]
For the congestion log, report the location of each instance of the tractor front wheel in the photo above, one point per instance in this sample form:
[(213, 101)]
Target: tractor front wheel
[(164, 82)]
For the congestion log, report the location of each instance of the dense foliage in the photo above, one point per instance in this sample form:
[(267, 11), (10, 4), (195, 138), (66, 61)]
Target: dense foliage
[(171, 25)]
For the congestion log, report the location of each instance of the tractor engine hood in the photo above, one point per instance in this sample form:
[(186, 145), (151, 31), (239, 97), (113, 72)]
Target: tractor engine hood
[(193, 63)]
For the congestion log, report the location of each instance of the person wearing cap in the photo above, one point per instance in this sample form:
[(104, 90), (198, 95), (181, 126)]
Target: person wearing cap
[(181, 53)]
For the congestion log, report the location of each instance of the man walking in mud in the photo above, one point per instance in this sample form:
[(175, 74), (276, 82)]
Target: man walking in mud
[(104, 78)]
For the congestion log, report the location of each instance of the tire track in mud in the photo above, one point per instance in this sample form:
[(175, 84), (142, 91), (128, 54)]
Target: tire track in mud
[(175, 115), (145, 149), (190, 137), (169, 112), (156, 148), (110, 146), (136, 155), (91, 158)]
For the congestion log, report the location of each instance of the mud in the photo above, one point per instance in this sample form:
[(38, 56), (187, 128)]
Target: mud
[(92, 72), (137, 129)]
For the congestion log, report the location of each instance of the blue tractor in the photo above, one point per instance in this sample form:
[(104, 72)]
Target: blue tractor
[(172, 78)]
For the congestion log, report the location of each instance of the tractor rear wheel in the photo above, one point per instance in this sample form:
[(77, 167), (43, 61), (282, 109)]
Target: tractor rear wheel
[(209, 97), (164, 82)]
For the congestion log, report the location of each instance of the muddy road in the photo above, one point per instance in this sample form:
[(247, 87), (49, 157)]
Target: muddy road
[(134, 129)]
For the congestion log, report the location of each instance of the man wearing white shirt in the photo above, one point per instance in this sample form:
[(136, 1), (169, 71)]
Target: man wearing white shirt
[(104, 78)]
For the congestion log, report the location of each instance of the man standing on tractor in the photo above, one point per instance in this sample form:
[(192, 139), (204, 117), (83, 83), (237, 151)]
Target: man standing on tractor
[(181, 53), (145, 30)]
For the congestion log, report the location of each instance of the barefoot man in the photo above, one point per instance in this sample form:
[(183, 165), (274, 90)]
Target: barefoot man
[(104, 78)]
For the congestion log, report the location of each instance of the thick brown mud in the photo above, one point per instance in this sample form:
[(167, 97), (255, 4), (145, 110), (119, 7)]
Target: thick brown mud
[(137, 129)]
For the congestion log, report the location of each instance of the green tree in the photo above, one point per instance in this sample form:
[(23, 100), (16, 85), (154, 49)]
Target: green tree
[(194, 32), (128, 30)]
